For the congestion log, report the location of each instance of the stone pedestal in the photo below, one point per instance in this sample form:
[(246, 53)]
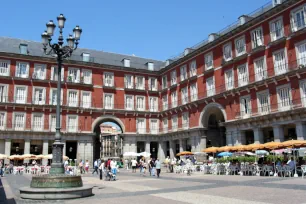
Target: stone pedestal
[(57, 166), (7, 145)]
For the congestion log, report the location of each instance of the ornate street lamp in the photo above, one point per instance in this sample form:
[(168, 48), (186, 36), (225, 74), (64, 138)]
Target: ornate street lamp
[(62, 51)]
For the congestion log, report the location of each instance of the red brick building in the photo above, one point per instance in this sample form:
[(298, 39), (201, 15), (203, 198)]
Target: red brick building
[(242, 85)]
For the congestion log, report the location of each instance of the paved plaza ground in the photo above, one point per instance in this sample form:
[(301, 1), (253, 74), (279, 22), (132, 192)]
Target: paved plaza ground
[(175, 188)]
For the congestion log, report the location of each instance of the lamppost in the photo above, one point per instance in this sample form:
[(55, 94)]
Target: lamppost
[(62, 51)]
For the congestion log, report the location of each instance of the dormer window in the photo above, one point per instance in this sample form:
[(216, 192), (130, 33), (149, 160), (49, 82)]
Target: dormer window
[(86, 57), (126, 62), (23, 48), (151, 66)]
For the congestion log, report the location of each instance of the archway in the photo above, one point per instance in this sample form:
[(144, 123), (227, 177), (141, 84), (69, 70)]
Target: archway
[(109, 143), (211, 119)]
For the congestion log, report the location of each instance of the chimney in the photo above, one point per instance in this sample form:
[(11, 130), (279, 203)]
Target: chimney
[(212, 37), (168, 62), (187, 51), (276, 2), (243, 19)]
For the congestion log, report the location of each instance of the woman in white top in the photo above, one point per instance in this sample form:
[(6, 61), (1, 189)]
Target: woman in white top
[(101, 169), (86, 166)]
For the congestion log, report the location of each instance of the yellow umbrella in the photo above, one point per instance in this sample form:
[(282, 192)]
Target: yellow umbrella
[(272, 145), (238, 148), (293, 143), (28, 156), (211, 150), (3, 156), (184, 153), (15, 157), (225, 149), (40, 156), (50, 156)]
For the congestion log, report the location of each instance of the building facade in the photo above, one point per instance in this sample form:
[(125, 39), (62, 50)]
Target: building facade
[(244, 84)]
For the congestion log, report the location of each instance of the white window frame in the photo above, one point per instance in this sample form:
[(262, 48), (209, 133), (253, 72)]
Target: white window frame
[(40, 76), (302, 84), (164, 82), (42, 121), (152, 130), (243, 113), (73, 103), (126, 62), (244, 46), (104, 101), (153, 107), (184, 98), (76, 129), (74, 79), (165, 104), (173, 77), (260, 75), (43, 101), (229, 84), (255, 45), (151, 66), (278, 70), (129, 84), (165, 125), (279, 106), (106, 82), (210, 91), (54, 73), (86, 80), (3, 123), (263, 110), (227, 58), (243, 79), (194, 96), (183, 73), (293, 23), (193, 68), (152, 87), (24, 122), (26, 75), (137, 82), (125, 102), (4, 94), (144, 103), (207, 67), (174, 102), (141, 130), (51, 94), (86, 104), (300, 58), (85, 57), (174, 126), (52, 129), (273, 32), (185, 123), (26, 94), (5, 71)]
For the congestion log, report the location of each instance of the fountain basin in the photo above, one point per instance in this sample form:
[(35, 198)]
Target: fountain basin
[(56, 181)]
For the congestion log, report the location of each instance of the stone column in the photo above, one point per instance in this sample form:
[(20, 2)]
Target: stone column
[(300, 130), (147, 147), (2, 146), (45, 151), (258, 136), (27, 144), (241, 140), (161, 151), (64, 148), (229, 138), (181, 145), (278, 132), (126, 146), (193, 143), (7, 150), (133, 147), (172, 148)]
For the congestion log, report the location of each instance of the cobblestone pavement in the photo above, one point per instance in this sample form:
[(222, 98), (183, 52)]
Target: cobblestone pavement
[(175, 188)]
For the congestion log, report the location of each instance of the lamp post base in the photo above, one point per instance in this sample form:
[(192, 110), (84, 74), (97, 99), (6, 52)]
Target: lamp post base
[(57, 166)]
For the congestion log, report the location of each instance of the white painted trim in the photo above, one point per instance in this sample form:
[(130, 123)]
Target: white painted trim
[(207, 107)]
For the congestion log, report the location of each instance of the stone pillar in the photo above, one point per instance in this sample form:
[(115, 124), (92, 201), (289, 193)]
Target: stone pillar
[(148, 146), (45, 151), (7, 150), (64, 149), (300, 130), (181, 145), (241, 140), (2, 147), (229, 138), (89, 152), (133, 147), (258, 136), (126, 146), (172, 148), (27, 144), (193, 143), (161, 151), (278, 132)]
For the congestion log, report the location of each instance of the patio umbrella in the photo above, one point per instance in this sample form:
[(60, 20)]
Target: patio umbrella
[(28, 156), (238, 148), (225, 154), (200, 153), (3, 156), (50, 156), (184, 153), (272, 145), (225, 149), (40, 156), (15, 157), (261, 152), (130, 154), (293, 143), (211, 150), (145, 154)]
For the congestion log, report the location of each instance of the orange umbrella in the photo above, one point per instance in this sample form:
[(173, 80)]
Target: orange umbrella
[(293, 143), (184, 153), (272, 145), (253, 147), (211, 150), (225, 149), (238, 148), (257, 147)]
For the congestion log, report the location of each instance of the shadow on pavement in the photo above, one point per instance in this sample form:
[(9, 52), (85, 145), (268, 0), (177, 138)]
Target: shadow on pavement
[(3, 199)]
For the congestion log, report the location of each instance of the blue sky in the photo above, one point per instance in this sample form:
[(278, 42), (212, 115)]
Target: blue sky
[(155, 29)]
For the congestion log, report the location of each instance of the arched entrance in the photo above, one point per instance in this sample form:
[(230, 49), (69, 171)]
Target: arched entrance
[(107, 141), (211, 118)]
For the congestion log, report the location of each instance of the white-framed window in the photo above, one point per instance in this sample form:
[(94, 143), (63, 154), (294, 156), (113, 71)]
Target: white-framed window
[(276, 28), (39, 95), (174, 122), (129, 102), (22, 69), (227, 52), (229, 79), (298, 20), (165, 125), (243, 75), (129, 81), (154, 126), (164, 82), (184, 95), (140, 103), (37, 121), (193, 68), (260, 69), (72, 98), (74, 75), (284, 97), (240, 46), (72, 123), (152, 84), (263, 101), (3, 93), (194, 92), (108, 79), (209, 61), (21, 93), (23, 48), (153, 104), (301, 52), (54, 73), (210, 86), (5, 67), (126, 63), (39, 71), (173, 99), (185, 120), (141, 125), (2, 120), (165, 102), (53, 96), (85, 57), (183, 71), (108, 101), (257, 37), (86, 77), (245, 106), (52, 122), (173, 77), (151, 66), (140, 82), (280, 62), (303, 92), (19, 120), (86, 99)]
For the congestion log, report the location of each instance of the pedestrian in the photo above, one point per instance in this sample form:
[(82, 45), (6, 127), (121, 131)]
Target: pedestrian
[(167, 164), (101, 169), (86, 166), (95, 167), (140, 165), (149, 166), (152, 166), (134, 164), (158, 167), (144, 168), (1, 168), (81, 166)]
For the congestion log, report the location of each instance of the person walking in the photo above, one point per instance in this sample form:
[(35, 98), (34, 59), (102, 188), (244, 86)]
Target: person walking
[(101, 169), (134, 165), (1, 168), (152, 166), (158, 167), (81, 166), (86, 166), (95, 167)]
